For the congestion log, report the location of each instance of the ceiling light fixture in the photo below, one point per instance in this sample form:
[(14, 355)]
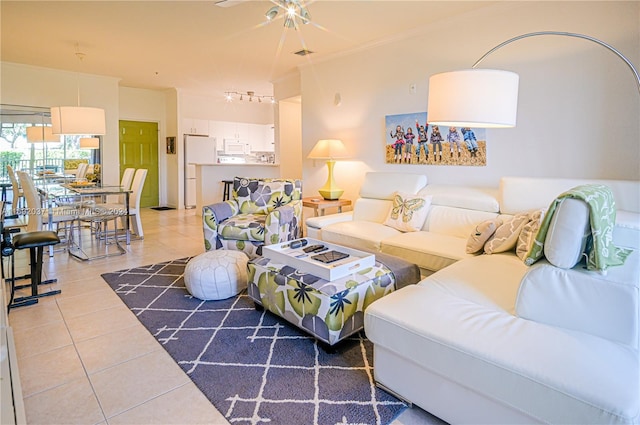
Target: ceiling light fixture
[(293, 10), (77, 119), (230, 95)]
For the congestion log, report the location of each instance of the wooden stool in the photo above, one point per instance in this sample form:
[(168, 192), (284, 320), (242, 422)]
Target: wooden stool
[(226, 194)]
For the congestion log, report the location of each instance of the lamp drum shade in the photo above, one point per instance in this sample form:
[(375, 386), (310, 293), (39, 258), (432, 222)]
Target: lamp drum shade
[(39, 134), (328, 149), (77, 120), (481, 98), (89, 143)]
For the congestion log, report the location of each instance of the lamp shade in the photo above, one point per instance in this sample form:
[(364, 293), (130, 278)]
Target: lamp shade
[(77, 120), (481, 98), (39, 134), (328, 149), (89, 143)]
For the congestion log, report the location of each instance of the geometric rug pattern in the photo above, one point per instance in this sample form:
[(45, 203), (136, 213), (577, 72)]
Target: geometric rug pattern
[(253, 366)]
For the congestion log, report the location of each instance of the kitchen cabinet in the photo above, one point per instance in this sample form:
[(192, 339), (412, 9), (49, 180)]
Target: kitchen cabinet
[(270, 138), (195, 126), (234, 130), (215, 133), (257, 137)]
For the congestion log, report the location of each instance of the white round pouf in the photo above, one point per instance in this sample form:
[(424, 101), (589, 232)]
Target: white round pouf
[(216, 275)]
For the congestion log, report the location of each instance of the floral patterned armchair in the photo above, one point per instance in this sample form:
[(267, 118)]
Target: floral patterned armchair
[(261, 212)]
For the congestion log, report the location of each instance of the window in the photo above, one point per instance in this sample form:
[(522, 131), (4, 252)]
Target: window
[(16, 150)]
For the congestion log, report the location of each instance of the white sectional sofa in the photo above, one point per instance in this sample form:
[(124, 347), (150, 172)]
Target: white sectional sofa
[(487, 339)]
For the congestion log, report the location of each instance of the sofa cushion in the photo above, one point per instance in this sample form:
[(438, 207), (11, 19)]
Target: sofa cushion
[(488, 280), (365, 235), (375, 210), (471, 198), (506, 236), (481, 235), (430, 251), (568, 232), (243, 227), (627, 230), (408, 212), (264, 195), (605, 306), (380, 185), (528, 193), (452, 221)]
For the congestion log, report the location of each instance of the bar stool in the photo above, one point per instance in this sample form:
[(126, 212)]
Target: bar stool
[(226, 194), (35, 242)]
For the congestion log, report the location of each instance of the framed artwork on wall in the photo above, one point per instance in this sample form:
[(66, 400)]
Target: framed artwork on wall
[(410, 139), (171, 145)]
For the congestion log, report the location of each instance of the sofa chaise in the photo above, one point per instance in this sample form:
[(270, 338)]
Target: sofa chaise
[(488, 339)]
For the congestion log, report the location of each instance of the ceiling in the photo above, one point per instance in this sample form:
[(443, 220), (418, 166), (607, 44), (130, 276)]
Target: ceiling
[(198, 46)]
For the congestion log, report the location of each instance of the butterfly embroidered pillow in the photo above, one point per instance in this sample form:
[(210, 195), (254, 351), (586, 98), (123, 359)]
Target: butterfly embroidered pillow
[(408, 212)]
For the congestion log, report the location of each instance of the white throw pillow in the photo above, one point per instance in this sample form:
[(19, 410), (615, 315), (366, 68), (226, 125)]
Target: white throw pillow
[(481, 235), (408, 212), (568, 232), (506, 236)]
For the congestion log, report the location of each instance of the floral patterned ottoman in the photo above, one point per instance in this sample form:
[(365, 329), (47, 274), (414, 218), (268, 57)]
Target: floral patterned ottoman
[(328, 310)]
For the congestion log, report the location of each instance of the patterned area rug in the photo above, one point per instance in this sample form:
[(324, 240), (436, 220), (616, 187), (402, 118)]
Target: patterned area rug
[(253, 366)]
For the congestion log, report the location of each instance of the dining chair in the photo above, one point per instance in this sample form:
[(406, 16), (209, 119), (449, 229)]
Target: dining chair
[(125, 182), (134, 201), (137, 185), (18, 196), (81, 172), (41, 215)]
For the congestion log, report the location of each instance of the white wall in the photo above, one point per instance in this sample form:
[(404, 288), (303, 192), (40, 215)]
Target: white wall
[(288, 125), (578, 111), (290, 138), (148, 106), (44, 87)]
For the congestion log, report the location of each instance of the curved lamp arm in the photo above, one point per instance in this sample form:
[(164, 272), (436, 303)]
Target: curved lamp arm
[(567, 34)]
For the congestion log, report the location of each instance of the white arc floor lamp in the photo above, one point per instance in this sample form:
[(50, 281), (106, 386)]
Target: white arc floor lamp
[(491, 96)]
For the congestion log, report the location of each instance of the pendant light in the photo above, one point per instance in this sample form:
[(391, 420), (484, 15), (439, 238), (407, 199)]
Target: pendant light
[(76, 119)]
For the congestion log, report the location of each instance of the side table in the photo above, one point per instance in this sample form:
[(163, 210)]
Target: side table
[(319, 204)]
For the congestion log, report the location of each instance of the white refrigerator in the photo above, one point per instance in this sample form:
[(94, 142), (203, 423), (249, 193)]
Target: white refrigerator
[(197, 150)]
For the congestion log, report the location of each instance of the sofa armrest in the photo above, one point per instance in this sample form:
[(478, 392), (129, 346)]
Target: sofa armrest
[(607, 306), (212, 215), (325, 220), (283, 223)]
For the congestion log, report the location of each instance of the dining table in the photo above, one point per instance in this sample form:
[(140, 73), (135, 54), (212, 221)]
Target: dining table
[(83, 194)]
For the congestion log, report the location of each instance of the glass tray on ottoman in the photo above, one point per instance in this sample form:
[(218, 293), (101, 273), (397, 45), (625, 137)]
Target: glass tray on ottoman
[(298, 259)]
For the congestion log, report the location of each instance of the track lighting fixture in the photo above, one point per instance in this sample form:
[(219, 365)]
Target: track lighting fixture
[(230, 95), (293, 10)]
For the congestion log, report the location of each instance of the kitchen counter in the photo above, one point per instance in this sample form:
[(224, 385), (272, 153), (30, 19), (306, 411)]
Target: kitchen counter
[(209, 186), (260, 164)]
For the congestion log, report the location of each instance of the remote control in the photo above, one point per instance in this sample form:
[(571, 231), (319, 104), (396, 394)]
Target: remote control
[(298, 244), (313, 248)]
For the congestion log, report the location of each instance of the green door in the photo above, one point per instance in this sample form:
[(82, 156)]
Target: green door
[(139, 149)]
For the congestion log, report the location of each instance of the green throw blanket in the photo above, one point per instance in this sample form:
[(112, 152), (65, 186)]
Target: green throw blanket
[(601, 253)]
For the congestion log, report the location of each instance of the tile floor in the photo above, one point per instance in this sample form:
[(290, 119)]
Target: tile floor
[(85, 359)]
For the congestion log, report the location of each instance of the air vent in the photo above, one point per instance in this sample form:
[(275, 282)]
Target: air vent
[(303, 52)]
